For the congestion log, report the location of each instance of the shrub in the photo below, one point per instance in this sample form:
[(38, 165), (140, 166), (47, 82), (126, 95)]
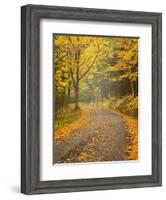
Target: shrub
[(127, 105)]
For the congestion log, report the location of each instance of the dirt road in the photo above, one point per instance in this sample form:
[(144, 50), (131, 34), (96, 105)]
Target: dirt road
[(103, 139)]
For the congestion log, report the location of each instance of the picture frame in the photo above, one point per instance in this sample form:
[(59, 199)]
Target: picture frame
[(30, 99)]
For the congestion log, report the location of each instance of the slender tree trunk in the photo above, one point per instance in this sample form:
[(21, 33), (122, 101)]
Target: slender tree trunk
[(76, 96), (77, 81), (69, 90), (92, 92), (132, 88), (131, 83)]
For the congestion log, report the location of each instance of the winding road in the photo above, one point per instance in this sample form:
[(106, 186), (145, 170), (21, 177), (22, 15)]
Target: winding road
[(103, 139)]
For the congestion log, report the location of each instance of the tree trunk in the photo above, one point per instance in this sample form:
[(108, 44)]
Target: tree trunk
[(132, 88), (69, 90), (76, 96), (69, 87), (131, 82), (77, 81), (92, 97)]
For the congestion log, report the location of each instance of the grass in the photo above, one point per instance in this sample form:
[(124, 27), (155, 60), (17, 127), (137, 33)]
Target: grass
[(65, 117), (69, 128)]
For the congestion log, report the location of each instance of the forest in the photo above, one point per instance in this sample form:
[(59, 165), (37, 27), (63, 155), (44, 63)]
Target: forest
[(90, 73)]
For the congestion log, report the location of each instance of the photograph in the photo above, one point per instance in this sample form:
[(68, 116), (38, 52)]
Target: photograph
[(91, 99), (95, 98)]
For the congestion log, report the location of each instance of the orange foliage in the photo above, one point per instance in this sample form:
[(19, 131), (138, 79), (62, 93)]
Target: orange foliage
[(66, 132), (132, 130), (133, 134)]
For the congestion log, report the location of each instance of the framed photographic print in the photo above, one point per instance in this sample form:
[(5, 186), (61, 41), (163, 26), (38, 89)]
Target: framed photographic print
[(91, 99)]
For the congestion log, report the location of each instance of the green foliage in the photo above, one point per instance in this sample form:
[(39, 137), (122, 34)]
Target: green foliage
[(65, 117)]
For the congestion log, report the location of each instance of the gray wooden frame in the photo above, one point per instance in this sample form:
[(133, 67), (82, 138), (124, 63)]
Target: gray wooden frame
[(30, 99)]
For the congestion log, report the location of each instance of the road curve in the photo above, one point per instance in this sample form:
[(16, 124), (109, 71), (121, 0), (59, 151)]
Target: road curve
[(103, 139)]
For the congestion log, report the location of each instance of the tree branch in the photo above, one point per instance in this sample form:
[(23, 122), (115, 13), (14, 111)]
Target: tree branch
[(71, 41), (60, 58), (85, 61), (90, 67)]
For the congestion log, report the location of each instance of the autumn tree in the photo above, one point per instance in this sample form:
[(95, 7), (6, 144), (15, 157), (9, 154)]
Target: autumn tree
[(78, 55), (124, 63), (93, 68)]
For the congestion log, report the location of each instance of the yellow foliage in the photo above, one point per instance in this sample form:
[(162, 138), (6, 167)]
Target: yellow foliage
[(133, 132), (66, 132), (132, 129), (83, 157)]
